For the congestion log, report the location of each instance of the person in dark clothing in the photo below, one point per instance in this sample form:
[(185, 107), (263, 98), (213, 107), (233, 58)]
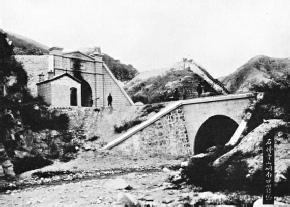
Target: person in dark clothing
[(110, 99), (165, 96), (199, 90), (176, 94), (184, 96)]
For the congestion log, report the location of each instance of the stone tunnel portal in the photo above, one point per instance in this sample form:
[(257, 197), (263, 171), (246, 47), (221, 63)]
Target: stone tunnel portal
[(217, 130), (86, 94)]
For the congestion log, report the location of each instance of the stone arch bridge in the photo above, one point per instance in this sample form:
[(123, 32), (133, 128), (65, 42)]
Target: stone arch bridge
[(186, 127)]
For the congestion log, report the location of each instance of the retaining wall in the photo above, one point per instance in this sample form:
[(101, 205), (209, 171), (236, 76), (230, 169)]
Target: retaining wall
[(166, 136)]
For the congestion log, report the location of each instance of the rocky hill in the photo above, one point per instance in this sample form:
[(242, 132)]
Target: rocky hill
[(258, 69), (160, 85), (26, 46)]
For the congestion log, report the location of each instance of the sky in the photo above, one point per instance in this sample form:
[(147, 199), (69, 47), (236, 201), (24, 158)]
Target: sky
[(220, 35)]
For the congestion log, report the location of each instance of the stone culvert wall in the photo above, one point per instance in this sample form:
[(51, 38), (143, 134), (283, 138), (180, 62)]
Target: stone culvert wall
[(166, 136)]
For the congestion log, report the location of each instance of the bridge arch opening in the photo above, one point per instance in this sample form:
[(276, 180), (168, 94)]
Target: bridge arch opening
[(217, 130)]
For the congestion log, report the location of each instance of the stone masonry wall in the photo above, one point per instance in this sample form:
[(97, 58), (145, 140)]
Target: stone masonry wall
[(110, 86), (34, 65), (44, 91), (98, 67), (166, 136), (100, 102)]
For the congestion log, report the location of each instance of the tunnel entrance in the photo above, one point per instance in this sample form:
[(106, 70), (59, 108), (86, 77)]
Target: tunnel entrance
[(217, 130), (86, 91), (86, 94)]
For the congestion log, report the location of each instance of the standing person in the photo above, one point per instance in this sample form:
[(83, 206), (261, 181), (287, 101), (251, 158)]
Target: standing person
[(176, 94), (199, 90), (165, 96), (184, 95), (110, 99)]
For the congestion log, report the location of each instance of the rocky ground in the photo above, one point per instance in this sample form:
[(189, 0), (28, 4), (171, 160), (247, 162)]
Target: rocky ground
[(91, 179), (111, 179), (147, 188)]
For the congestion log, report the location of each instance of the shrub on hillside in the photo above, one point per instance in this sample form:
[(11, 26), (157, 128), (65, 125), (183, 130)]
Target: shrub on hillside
[(152, 108), (38, 117), (127, 125), (274, 104)]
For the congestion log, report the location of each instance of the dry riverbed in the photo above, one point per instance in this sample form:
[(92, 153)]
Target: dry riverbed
[(110, 179)]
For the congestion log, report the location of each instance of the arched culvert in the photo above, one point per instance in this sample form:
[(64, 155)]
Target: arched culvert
[(217, 130)]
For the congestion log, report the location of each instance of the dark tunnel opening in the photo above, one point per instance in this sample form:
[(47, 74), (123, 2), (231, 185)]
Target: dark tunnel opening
[(217, 130), (86, 94), (86, 91)]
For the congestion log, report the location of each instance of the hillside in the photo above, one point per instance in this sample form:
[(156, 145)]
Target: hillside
[(258, 69), (159, 85), (120, 70), (26, 46)]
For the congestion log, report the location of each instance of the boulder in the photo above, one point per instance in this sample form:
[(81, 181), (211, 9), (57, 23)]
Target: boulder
[(87, 146), (126, 199), (20, 154), (165, 170), (174, 177), (54, 133), (139, 103), (184, 164)]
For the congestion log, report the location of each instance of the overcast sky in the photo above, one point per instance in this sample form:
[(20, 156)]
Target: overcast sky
[(220, 35)]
